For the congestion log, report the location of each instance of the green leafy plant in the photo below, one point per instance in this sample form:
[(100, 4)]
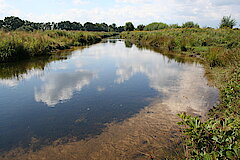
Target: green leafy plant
[(213, 139), (227, 21)]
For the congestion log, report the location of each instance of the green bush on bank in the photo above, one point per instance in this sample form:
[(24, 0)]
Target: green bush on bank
[(19, 44), (218, 136)]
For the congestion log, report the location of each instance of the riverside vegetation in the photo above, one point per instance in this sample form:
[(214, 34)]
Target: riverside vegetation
[(16, 45), (219, 49)]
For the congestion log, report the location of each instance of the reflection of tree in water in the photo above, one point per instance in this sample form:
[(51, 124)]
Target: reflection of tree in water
[(128, 44), (17, 69), (112, 41), (180, 58)]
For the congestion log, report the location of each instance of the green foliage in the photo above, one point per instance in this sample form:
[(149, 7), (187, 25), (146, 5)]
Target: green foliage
[(13, 23), (227, 21), (112, 27), (25, 28), (212, 139), (120, 29), (129, 26), (174, 26), (67, 25), (155, 26), (19, 44), (1, 23), (190, 24), (128, 44), (140, 27)]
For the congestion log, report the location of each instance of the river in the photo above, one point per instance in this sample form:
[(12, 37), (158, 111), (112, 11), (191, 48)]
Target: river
[(110, 100)]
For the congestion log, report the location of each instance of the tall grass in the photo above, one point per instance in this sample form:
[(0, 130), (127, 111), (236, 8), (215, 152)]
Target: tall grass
[(218, 137), (18, 44)]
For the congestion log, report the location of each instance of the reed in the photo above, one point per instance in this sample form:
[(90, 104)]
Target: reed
[(20, 45)]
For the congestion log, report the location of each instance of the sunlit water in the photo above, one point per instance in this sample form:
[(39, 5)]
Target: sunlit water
[(88, 88)]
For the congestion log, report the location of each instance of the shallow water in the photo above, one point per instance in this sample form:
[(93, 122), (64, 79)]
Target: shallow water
[(109, 91)]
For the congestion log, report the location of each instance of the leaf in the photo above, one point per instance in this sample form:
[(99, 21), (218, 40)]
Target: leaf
[(207, 157), (236, 150), (230, 154), (215, 138)]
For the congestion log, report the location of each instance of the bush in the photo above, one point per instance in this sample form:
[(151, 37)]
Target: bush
[(190, 24), (213, 139), (155, 26), (227, 22)]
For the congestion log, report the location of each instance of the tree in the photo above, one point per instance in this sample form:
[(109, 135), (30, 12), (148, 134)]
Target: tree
[(155, 26), (227, 22), (47, 26), (104, 27), (140, 27), (113, 27), (1, 23), (190, 24), (65, 25), (89, 26), (120, 28), (174, 26), (129, 26), (13, 23)]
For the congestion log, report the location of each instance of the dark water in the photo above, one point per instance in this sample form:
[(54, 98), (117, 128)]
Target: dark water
[(76, 93)]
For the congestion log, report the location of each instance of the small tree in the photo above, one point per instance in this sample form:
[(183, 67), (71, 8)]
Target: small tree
[(140, 27), (13, 22), (1, 23), (174, 26), (190, 24), (129, 26), (227, 22), (155, 26)]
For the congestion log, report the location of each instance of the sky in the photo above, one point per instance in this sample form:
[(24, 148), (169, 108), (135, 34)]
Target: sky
[(203, 12)]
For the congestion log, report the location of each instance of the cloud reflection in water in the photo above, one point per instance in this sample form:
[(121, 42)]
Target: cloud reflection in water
[(58, 87)]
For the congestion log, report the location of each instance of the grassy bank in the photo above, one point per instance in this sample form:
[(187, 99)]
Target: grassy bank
[(219, 50), (19, 45)]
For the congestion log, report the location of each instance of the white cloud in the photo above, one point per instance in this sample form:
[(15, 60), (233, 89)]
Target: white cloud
[(204, 12), (134, 1), (80, 2)]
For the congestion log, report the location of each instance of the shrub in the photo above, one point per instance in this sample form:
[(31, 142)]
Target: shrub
[(155, 26), (190, 24), (213, 139), (227, 22)]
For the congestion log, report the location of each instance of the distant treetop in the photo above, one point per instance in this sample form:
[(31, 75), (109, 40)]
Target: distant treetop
[(155, 26), (15, 23), (190, 24), (227, 21)]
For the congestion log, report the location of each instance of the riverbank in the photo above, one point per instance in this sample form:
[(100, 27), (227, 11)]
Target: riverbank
[(17, 45), (219, 50)]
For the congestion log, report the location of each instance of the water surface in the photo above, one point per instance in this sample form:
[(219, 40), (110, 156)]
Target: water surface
[(76, 94)]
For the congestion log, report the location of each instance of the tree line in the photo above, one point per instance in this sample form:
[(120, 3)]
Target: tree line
[(15, 23), (226, 22)]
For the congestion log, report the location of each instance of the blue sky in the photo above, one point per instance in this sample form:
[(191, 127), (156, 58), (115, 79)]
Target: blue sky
[(204, 12)]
